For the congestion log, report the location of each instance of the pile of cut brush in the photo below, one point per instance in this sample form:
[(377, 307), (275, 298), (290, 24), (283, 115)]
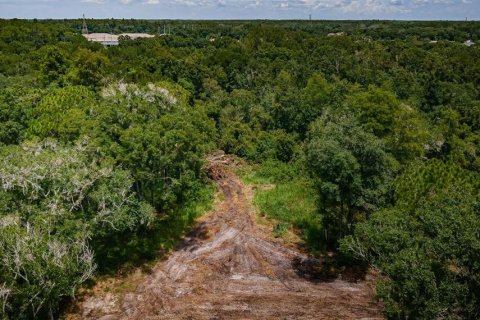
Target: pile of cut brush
[(216, 163)]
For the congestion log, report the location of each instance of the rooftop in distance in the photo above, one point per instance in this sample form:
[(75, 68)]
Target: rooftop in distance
[(108, 39)]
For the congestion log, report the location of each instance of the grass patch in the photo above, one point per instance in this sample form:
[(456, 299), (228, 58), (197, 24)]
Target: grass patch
[(286, 195)]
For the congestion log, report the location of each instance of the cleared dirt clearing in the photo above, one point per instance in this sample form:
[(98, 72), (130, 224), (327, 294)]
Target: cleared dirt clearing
[(230, 268)]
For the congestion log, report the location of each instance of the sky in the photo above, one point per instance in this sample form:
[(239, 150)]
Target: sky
[(244, 9)]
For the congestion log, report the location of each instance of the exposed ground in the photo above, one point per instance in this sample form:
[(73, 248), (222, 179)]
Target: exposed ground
[(229, 267)]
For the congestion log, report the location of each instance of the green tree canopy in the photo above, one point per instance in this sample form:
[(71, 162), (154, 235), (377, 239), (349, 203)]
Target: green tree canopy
[(427, 245), (53, 199), (351, 169)]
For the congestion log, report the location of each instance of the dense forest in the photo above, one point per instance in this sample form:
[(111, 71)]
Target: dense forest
[(377, 126)]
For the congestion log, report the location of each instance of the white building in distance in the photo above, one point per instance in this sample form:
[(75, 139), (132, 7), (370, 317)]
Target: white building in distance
[(110, 40)]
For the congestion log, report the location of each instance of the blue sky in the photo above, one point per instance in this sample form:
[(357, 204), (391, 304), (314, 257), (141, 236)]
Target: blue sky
[(244, 9)]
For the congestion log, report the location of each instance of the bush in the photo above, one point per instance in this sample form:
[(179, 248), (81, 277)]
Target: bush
[(427, 245), (53, 200)]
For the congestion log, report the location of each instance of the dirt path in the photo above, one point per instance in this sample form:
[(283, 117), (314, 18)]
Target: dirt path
[(229, 268)]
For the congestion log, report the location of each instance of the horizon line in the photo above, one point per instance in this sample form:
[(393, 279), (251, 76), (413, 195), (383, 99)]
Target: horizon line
[(244, 19)]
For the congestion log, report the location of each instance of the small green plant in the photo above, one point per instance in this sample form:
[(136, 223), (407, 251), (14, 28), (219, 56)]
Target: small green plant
[(280, 229)]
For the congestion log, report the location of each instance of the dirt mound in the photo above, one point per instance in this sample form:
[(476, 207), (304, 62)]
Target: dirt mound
[(228, 268)]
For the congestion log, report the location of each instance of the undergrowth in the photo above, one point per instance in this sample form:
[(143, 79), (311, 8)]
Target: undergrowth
[(116, 255), (285, 194)]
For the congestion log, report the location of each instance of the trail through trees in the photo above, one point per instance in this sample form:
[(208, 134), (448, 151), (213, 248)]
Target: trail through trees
[(228, 267)]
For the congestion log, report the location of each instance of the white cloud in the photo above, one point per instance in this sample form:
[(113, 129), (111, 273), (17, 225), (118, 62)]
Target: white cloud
[(245, 9), (374, 6), (345, 6), (359, 6), (94, 1)]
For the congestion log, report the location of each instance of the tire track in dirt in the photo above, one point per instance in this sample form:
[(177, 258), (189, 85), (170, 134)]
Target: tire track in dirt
[(229, 268)]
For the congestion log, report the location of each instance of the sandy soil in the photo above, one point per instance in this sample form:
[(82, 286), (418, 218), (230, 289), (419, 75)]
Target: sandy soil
[(229, 267)]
